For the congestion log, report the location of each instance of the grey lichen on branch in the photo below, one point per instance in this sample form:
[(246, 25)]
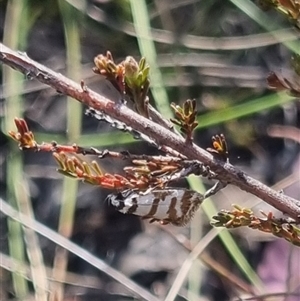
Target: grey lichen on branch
[(225, 172)]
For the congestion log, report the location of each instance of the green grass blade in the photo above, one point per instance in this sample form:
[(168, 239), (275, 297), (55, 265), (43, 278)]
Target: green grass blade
[(74, 123), (241, 110), (147, 49), (226, 237), (266, 22), (15, 16)]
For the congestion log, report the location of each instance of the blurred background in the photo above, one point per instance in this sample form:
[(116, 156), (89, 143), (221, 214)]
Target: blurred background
[(216, 52)]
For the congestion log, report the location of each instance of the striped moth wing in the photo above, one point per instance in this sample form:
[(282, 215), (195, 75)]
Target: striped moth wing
[(174, 206)]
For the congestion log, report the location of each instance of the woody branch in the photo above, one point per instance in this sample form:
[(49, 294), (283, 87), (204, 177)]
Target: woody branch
[(161, 135)]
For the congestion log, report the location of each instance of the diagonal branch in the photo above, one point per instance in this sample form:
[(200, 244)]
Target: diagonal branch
[(225, 171)]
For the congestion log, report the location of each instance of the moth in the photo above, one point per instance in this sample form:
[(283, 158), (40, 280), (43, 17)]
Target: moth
[(167, 206)]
